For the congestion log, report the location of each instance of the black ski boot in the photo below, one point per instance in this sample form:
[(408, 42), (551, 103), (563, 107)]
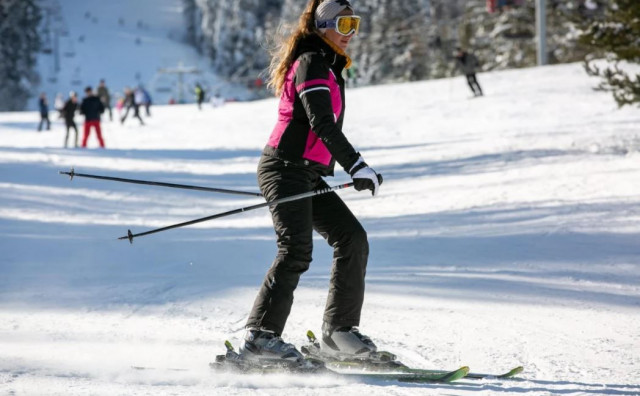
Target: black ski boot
[(268, 347), (345, 342)]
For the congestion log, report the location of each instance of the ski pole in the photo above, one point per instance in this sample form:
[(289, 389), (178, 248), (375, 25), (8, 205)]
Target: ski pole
[(73, 174), (130, 235)]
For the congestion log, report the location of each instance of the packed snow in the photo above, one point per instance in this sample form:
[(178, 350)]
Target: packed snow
[(505, 233)]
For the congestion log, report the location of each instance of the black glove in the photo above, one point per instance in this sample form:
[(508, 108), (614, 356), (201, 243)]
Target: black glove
[(365, 178)]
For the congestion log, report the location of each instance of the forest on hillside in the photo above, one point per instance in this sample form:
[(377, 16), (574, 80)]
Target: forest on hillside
[(399, 40)]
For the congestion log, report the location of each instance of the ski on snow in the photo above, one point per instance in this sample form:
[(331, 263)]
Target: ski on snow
[(386, 361), (377, 366), (233, 362)]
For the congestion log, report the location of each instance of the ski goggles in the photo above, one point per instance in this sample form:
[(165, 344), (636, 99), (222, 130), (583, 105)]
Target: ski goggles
[(345, 25)]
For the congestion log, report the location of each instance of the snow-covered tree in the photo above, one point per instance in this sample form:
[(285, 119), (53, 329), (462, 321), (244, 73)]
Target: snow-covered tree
[(191, 20), (19, 43), (234, 35), (392, 45), (399, 40), (508, 39), (616, 38)]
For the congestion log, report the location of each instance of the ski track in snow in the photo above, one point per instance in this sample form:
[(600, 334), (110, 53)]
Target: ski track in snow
[(505, 234)]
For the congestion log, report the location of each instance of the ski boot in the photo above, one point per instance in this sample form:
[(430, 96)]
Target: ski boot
[(345, 342), (346, 348), (268, 348)]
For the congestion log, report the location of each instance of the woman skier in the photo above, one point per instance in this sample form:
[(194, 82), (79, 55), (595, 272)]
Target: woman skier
[(303, 147)]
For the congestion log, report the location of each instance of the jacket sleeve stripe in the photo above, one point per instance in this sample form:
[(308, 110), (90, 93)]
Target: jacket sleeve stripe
[(317, 81), (313, 89)]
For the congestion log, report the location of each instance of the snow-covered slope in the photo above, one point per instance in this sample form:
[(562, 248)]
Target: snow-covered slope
[(506, 233), (126, 43)]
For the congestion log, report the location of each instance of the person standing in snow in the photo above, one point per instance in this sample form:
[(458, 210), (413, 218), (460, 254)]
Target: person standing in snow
[(68, 113), (92, 108), (119, 105), (58, 104), (105, 97), (146, 100), (200, 94), (130, 103), (43, 106), (217, 100), (468, 63), (138, 97), (303, 147)]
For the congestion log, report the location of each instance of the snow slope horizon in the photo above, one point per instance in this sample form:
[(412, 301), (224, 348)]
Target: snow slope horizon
[(126, 43), (505, 233)]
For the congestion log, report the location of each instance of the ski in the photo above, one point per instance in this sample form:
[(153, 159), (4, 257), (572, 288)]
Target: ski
[(391, 370), (147, 368), (385, 361), (233, 362), (511, 374), (414, 375)]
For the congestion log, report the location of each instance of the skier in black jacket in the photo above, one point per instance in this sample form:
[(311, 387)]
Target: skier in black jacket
[(92, 108), (68, 112), (303, 147), (43, 105), (130, 103), (468, 63)]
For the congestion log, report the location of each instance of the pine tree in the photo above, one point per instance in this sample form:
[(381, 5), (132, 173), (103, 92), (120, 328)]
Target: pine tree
[(189, 12), (233, 34), (616, 38), (19, 43)]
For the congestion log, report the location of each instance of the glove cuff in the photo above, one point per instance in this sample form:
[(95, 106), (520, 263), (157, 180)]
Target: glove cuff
[(357, 166)]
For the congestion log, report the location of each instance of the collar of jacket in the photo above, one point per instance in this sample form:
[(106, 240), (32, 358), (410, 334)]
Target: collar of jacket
[(334, 55)]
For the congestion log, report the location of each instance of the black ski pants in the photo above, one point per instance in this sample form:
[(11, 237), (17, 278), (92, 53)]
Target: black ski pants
[(294, 223), (136, 113), (69, 125), (44, 118), (473, 84)]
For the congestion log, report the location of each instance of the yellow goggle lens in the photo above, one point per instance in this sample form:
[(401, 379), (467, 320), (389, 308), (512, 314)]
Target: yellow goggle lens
[(348, 24)]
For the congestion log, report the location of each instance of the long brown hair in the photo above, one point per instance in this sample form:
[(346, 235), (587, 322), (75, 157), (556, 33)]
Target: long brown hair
[(283, 55)]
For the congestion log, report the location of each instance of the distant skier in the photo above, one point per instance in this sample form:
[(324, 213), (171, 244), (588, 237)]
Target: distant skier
[(146, 100), (352, 75), (91, 107), (105, 98), (200, 94), (217, 100), (68, 112), (468, 63), (120, 105), (138, 96), (130, 103), (43, 105), (58, 104), (142, 98)]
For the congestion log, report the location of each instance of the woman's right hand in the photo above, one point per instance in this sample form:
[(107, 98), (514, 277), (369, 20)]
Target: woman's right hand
[(365, 178)]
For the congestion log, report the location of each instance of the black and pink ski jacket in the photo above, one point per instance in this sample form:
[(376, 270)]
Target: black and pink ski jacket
[(309, 127)]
